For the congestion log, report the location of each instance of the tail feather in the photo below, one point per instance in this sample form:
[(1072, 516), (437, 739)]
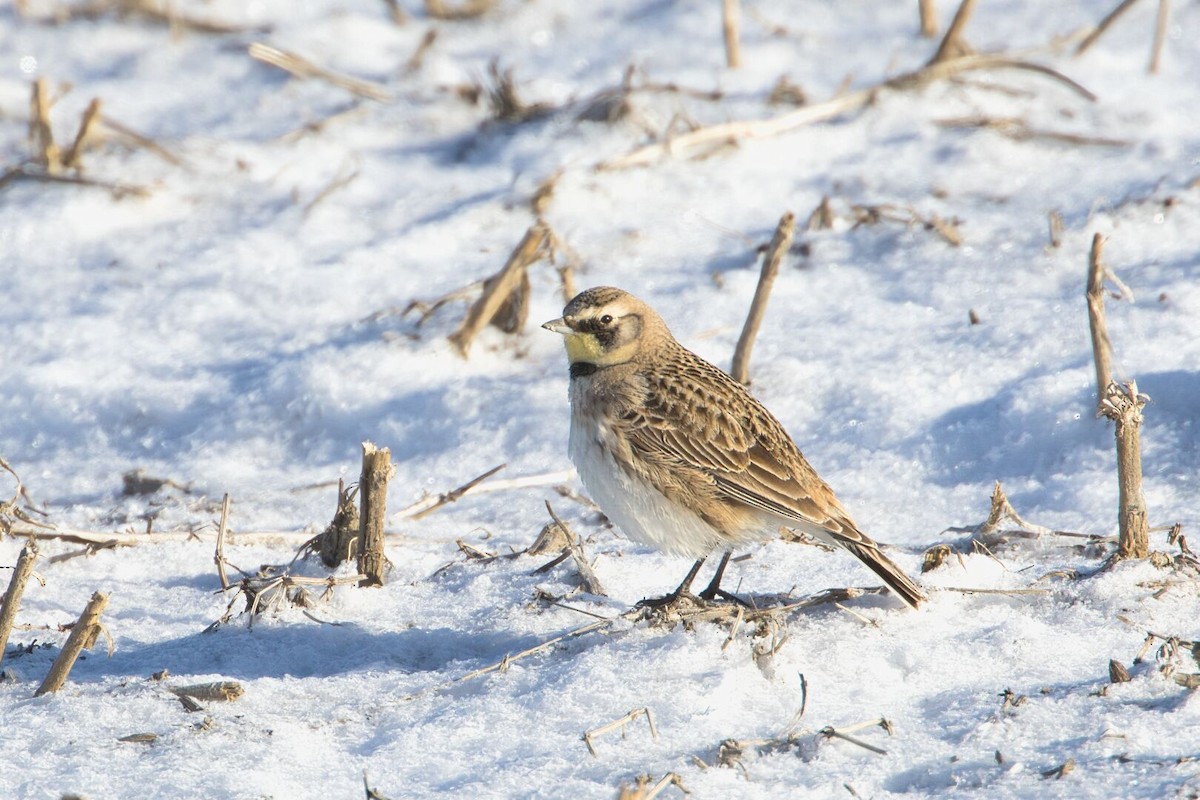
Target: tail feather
[(895, 578)]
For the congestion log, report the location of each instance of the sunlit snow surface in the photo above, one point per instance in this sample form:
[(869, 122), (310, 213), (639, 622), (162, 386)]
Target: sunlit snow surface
[(238, 330)]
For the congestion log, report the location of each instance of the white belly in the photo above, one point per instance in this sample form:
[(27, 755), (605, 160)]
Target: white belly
[(637, 508)]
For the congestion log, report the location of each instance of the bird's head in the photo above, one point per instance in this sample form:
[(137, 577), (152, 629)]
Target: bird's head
[(605, 326)]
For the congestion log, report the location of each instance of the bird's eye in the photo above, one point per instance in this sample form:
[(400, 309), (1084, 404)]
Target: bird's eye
[(606, 319)]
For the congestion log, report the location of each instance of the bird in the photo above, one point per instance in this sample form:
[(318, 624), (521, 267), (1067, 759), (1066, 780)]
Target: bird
[(681, 457)]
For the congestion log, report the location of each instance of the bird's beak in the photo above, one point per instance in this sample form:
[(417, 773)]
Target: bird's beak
[(558, 326)]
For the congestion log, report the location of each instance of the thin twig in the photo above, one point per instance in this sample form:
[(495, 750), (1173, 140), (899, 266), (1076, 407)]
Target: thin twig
[(1101, 346), (591, 583), (1009, 592), (865, 620), (971, 62), (733, 629), (781, 242), (418, 57), (90, 550), (10, 509), (1021, 131), (453, 495), (1162, 20), (504, 663), (353, 109), (799, 715), (731, 26), (86, 124), (928, 14), (346, 175), (1103, 26), (41, 136), (729, 131), (399, 17), (705, 137), (833, 733), (1055, 222), (141, 141), (35, 173), (127, 539), (301, 67), (169, 14), (617, 724), (222, 529)]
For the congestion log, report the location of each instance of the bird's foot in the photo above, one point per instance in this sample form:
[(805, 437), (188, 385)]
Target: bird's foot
[(674, 601), (710, 595)]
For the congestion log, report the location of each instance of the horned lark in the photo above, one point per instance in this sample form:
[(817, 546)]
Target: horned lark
[(680, 456)]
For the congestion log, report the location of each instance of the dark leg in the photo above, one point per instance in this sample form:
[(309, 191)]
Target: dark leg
[(714, 586), (714, 589), (683, 590)]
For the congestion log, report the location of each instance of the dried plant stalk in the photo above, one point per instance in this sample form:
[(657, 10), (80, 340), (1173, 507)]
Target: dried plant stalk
[(821, 218), (337, 540), (418, 57), (451, 496), (303, 68), (1123, 405), (395, 12), (952, 45), (86, 126), (505, 287), (780, 244), (514, 310), (16, 588), (83, 635), (618, 724), (377, 470), (476, 486), (929, 23), (587, 575), (1101, 346), (41, 135), (643, 790), (731, 22), (1091, 38), (1163, 18), (1054, 220), (219, 555), (1001, 510), (470, 9), (54, 175), (219, 690), (346, 175), (703, 139), (504, 663), (1019, 130)]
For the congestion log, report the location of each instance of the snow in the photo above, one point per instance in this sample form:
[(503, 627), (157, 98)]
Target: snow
[(238, 330)]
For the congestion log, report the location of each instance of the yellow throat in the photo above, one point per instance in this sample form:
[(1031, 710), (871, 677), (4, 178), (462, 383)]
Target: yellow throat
[(583, 347)]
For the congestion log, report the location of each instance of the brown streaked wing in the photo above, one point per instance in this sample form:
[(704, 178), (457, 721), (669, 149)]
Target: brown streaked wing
[(703, 419)]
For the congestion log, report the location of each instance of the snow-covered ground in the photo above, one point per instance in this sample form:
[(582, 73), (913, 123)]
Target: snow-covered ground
[(237, 329)]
